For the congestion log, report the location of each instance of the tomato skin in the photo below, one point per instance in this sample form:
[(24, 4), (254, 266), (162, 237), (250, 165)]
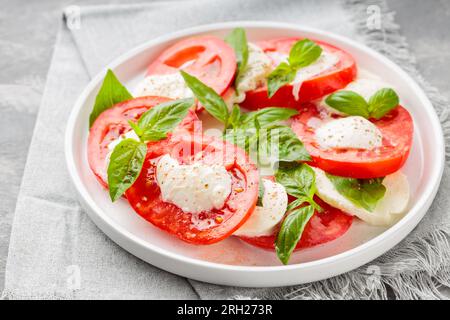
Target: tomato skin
[(113, 122), (145, 194), (214, 61), (397, 130), (323, 227), (325, 83)]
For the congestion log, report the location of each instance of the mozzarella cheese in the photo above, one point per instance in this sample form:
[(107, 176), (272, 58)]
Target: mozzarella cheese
[(325, 62), (366, 86), (388, 209), (259, 65), (166, 85), (264, 219), (194, 188), (350, 132)]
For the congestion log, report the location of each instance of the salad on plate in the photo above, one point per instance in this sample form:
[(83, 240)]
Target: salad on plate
[(281, 143)]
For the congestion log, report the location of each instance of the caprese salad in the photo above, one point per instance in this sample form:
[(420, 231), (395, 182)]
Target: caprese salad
[(304, 143)]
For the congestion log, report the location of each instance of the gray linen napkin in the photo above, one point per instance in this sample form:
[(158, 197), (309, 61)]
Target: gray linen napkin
[(55, 250), (53, 242)]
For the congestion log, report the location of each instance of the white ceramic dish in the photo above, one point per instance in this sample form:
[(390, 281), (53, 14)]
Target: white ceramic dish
[(232, 262)]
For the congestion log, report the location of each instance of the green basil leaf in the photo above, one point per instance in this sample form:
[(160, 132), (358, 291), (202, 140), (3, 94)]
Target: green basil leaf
[(125, 165), (282, 75), (296, 203), (349, 102), (212, 101), (298, 179), (276, 143), (155, 123), (238, 41), (256, 125), (267, 116), (383, 101), (303, 53), (290, 146), (135, 128), (238, 137), (111, 92), (363, 193), (291, 232), (235, 117), (153, 135)]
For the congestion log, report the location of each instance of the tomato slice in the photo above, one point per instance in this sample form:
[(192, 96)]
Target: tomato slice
[(112, 123), (208, 58), (145, 194), (396, 129), (334, 78), (323, 227)]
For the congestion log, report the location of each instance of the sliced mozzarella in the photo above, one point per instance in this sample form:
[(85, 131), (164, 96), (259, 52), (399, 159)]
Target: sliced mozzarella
[(194, 188), (259, 65), (388, 209), (350, 132), (366, 86), (325, 62), (264, 219), (166, 85), (397, 194)]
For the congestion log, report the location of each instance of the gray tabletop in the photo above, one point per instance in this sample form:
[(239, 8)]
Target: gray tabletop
[(27, 35)]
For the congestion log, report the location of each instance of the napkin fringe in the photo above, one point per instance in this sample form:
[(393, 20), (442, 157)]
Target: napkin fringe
[(385, 279), (413, 271), (13, 295)]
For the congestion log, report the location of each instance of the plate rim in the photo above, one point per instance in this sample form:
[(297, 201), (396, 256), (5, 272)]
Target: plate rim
[(408, 222)]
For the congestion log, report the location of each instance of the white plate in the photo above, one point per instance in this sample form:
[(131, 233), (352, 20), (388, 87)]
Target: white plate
[(232, 262)]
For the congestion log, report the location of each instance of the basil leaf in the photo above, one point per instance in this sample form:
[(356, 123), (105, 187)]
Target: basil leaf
[(349, 102), (363, 193), (238, 137), (256, 135), (153, 135), (282, 75), (212, 102), (125, 165), (296, 203), (238, 41), (299, 180), (256, 125), (235, 116), (111, 92), (163, 118), (290, 148), (136, 128), (274, 143), (383, 101), (303, 53), (291, 232), (267, 116)]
